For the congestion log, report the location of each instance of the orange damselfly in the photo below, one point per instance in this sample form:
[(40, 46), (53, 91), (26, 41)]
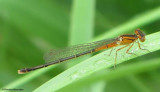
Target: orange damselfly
[(57, 56)]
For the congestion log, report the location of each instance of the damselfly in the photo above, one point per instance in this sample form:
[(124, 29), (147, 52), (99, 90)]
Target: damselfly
[(57, 56)]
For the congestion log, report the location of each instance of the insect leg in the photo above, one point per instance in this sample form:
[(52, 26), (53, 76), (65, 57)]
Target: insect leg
[(110, 52), (139, 45), (116, 54), (129, 49)]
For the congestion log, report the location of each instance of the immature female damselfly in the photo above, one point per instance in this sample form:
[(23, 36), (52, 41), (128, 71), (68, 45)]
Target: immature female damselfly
[(57, 56)]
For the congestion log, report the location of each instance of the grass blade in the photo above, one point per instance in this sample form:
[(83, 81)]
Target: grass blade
[(96, 63), (132, 24)]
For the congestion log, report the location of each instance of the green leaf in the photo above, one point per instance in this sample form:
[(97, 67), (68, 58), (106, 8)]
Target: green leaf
[(82, 23), (132, 24), (98, 62), (119, 72)]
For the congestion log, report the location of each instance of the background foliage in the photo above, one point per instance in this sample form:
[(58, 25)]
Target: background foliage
[(29, 28)]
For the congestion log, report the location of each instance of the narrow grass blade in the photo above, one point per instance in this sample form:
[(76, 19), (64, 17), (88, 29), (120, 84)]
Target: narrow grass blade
[(96, 63)]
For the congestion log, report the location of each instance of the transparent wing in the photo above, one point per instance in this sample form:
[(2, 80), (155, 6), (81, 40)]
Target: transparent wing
[(57, 54)]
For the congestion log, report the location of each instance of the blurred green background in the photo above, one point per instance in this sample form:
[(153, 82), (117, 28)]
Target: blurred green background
[(29, 28)]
